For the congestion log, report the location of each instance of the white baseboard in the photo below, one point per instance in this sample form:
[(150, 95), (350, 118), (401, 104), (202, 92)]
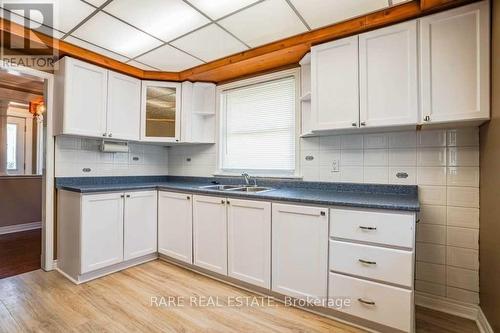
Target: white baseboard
[(20, 227), (459, 309), (482, 323)]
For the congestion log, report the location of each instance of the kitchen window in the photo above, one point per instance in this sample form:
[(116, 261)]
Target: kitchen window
[(258, 125)]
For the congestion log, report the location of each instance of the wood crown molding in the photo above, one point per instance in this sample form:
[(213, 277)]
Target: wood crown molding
[(285, 53)]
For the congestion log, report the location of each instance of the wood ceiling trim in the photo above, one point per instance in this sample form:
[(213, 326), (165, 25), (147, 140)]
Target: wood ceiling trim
[(280, 54)]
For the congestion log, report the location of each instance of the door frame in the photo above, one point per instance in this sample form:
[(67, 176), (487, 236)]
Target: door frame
[(47, 258)]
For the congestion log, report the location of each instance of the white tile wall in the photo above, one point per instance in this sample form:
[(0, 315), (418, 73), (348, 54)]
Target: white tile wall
[(445, 165), (72, 155)]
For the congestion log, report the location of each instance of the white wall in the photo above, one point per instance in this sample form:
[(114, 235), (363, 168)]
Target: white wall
[(73, 154), (445, 165)]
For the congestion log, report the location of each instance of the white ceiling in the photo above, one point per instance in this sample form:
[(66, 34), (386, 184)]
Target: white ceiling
[(174, 35)]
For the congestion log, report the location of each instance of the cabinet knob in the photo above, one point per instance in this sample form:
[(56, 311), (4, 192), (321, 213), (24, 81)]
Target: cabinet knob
[(104, 134), (188, 197), (222, 202), (122, 196), (110, 135), (128, 195), (363, 123), (354, 124), (228, 202), (322, 214), (427, 118)]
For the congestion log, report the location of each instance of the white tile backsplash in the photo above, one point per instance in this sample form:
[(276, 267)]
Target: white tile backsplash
[(81, 157), (444, 163)]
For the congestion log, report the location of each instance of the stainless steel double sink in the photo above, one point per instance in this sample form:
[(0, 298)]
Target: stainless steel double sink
[(237, 188)]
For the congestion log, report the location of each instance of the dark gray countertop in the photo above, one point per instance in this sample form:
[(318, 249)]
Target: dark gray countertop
[(394, 197)]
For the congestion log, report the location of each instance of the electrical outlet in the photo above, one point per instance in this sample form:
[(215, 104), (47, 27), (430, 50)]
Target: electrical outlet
[(336, 166)]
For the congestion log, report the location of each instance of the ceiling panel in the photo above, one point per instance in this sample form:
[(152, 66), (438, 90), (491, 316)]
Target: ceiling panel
[(141, 66), (219, 8), (169, 59), (96, 3), (164, 19), (210, 43), (263, 23), (108, 32), (320, 13), (96, 49), (67, 14)]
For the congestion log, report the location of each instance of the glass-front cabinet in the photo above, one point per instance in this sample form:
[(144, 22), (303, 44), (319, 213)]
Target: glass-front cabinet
[(160, 112)]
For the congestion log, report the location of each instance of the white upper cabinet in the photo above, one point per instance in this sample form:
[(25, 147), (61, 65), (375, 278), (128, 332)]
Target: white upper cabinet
[(300, 251), (198, 112), (388, 76), (175, 225), (249, 241), (124, 107), (161, 111), (210, 233), (140, 224), (334, 85), (81, 98), (455, 70)]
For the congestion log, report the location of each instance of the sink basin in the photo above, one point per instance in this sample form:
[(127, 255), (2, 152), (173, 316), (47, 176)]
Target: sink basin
[(251, 189), (220, 187)]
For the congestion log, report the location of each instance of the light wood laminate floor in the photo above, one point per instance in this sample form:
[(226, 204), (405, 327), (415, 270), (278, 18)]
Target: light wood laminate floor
[(47, 302)]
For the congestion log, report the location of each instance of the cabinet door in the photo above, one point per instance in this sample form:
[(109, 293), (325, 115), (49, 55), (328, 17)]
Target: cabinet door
[(140, 224), (455, 70), (101, 231), (85, 95), (300, 251), (160, 111), (175, 225), (249, 241), (210, 233), (334, 85), (388, 76), (124, 107)]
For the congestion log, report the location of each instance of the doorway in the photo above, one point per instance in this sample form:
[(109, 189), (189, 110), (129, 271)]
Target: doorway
[(26, 171)]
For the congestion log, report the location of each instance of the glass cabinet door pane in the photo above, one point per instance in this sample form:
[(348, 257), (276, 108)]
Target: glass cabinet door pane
[(160, 112)]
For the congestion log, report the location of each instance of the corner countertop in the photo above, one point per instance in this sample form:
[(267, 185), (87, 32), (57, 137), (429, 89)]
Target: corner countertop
[(392, 197)]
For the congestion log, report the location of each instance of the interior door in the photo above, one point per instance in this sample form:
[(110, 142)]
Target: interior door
[(334, 85), (210, 233), (140, 224), (388, 76), (16, 145), (124, 107)]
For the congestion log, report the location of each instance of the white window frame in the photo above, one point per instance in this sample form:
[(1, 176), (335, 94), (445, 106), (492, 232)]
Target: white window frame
[(221, 116)]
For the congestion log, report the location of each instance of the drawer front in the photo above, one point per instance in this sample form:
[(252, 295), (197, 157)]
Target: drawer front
[(386, 305), (383, 264), (387, 228)]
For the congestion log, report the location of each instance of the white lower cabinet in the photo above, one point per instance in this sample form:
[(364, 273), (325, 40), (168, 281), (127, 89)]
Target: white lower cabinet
[(249, 241), (210, 233), (384, 304), (175, 225), (101, 231), (300, 251), (140, 224)]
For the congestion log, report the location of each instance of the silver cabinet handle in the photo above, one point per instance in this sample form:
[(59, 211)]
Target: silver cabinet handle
[(188, 197), (367, 228), (366, 302), (128, 195), (363, 123), (122, 196), (110, 135), (222, 202), (367, 262), (427, 118), (354, 124), (104, 134)]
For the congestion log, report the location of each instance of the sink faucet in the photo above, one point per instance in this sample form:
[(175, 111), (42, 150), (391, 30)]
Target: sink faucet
[(247, 178)]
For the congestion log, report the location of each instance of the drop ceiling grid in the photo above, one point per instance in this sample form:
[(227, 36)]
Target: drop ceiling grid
[(223, 19)]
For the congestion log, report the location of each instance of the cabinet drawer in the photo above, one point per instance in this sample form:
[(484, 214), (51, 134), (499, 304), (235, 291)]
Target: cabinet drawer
[(387, 265), (387, 228), (386, 305)]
